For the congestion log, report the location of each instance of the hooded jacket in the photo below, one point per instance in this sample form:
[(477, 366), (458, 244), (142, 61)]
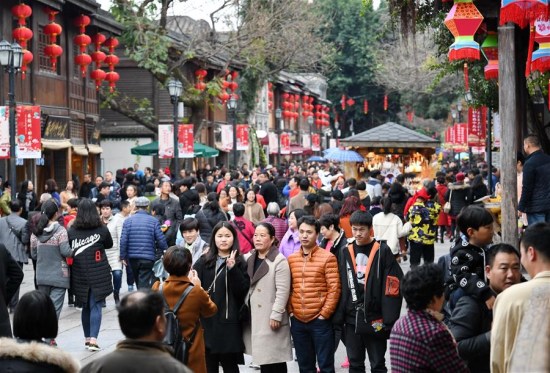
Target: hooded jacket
[(208, 220), (459, 198), (50, 250)]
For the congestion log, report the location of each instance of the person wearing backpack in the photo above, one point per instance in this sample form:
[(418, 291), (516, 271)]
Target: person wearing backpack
[(196, 303)]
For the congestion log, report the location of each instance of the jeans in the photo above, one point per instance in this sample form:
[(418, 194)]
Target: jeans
[(420, 250), (57, 296), (538, 217), (313, 341), (143, 272), (91, 316), (129, 275), (117, 280), (355, 348)]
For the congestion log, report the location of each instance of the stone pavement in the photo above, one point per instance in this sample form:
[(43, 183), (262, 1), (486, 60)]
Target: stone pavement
[(71, 337)]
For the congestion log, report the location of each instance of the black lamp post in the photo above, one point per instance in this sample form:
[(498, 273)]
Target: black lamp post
[(278, 128), (175, 87), (232, 109), (11, 58)]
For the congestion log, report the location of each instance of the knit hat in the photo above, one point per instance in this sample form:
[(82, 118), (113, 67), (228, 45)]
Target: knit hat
[(460, 176)]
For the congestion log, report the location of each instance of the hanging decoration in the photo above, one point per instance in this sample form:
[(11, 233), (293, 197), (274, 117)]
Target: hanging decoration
[(53, 30), (463, 21), (270, 104), (343, 102), (200, 74), (98, 75), (385, 102), (523, 12), (540, 60), (490, 49), (22, 34), (82, 41), (111, 60), (365, 107)]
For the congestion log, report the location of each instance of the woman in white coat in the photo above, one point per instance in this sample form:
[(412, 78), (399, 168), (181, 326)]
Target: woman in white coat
[(267, 336), (389, 227)]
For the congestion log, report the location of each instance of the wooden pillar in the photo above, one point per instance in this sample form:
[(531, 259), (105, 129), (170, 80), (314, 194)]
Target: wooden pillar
[(508, 110)]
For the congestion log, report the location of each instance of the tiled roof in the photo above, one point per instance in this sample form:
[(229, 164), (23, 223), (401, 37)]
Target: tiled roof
[(389, 133), (119, 130)]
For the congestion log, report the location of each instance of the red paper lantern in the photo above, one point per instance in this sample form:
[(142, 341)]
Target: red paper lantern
[(111, 60), (82, 40), (22, 34), (343, 102), (53, 30), (21, 12), (98, 39), (98, 57), (112, 77), (98, 76), (27, 59), (285, 96), (53, 51), (81, 22), (83, 60), (111, 43), (385, 102)]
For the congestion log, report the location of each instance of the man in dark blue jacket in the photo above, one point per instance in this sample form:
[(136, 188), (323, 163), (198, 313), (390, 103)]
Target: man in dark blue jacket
[(141, 239), (535, 191)]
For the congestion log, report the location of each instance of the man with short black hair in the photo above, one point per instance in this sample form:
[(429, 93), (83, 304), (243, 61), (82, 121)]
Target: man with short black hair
[(299, 201), (86, 186), (315, 290), (172, 210), (267, 189), (188, 196), (142, 321)]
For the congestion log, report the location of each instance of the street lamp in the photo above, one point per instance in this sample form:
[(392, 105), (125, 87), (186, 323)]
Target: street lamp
[(232, 107), (11, 58), (175, 87), (278, 128)]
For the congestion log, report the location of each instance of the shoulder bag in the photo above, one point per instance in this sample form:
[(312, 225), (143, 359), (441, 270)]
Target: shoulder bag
[(447, 205)]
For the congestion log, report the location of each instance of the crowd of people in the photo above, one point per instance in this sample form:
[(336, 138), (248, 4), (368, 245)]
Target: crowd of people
[(266, 260)]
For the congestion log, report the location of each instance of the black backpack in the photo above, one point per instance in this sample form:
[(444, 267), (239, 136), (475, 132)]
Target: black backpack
[(173, 338)]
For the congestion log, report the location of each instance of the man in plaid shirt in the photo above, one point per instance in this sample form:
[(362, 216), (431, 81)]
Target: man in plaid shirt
[(419, 341)]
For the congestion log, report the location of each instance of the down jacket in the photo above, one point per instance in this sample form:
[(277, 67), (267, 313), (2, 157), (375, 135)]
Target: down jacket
[(207, 221), (315, 288), (140, 237), (459, 198), (535, 192)]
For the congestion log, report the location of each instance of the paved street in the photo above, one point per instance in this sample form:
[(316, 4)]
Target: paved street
[(71, 338)]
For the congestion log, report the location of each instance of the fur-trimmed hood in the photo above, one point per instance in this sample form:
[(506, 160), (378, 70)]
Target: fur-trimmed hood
[(455, 186), (35, 352)]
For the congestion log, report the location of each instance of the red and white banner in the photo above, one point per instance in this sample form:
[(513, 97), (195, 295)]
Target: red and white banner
[(166, 141), (315, 142), (4, 132), (477, 126), (227, 137), (28, 141), (306, 140), (452, 135), (285, 143), (185, 141), (461, 134), (448, 135), (242, 137)]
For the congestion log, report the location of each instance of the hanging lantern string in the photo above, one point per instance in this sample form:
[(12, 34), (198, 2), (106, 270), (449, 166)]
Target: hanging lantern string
[(466, 77), (530, 50)]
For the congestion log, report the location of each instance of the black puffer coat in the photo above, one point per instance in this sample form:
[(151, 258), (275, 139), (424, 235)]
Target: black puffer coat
[(208, 218), (535, 192), (90, 270), (459, 198)]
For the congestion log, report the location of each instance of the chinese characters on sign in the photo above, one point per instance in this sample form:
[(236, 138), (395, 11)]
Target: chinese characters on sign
[(166, 141), (315, 142), (477, 123), (28, 140), (185, 141), (285, 143), (4, 133), (242, 137)]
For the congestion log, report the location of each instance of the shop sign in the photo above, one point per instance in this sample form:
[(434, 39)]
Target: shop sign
[(57, 128)]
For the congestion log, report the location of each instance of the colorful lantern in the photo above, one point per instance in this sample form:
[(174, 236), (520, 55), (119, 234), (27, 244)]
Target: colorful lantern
[(523, 12), (53, 51), (490, 49), (463, 21), (541, 57)]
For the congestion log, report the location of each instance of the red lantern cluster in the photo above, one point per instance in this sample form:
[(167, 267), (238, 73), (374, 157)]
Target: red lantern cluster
[(98, 75), (82, 41), (111, 60), (53, 30), (22, 33), (200, 74), (307, 106), (270, 104), (322, 116), (290, 105), (229, 86)]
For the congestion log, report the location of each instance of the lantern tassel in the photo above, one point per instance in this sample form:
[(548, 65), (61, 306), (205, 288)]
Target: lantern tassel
[(530, 50), (522, 14), (466, 78)]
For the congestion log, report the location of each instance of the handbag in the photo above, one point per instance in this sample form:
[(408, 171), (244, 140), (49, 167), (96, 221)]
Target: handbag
[(447, 205), (159, 271)]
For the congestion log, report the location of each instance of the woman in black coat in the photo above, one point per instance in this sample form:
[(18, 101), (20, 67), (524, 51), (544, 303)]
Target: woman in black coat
[(91, 273), (209, 216), (478, 189), (223, 272), (27, 197)]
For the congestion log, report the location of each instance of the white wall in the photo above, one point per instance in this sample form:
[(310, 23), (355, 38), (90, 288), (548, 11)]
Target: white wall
[(116, 154)]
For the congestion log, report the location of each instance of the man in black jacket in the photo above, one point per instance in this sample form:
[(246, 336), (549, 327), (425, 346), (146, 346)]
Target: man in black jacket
[(370, 278), (268, 190), (471, 320), (11, 276), (535, 190)]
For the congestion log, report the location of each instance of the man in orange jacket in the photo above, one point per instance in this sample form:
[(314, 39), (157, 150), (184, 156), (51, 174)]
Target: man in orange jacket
[(315, 291)]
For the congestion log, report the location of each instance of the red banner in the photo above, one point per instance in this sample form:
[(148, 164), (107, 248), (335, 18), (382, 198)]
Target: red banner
[(315, 142), (452, 135), (285, 143), (448, 135), (28, 132), (242, 137), (477, 126), (185, 141), (461, 133)]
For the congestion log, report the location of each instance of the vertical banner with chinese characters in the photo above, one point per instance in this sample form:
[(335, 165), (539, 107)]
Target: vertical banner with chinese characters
[(273, 143), (452, 135), (242, 137), (306, 141), (166, 141), (186, 148), (461, 134), (448, 135), (285, 143), (28, 141), (4, 132), (227, 137), (315, 142), (477, 124)]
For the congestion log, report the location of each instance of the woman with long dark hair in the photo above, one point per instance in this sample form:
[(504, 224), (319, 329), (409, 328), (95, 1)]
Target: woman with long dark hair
[(222, 271), (91, 273), (267, 336), (27, 197), (351, 204), (209, 216), (51, 187), (50, 247)]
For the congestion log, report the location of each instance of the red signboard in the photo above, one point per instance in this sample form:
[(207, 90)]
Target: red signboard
[(315, 142), (185, 141), (28, 141), (285, 143), (448, 135), (242, 137), (461, 133), (452, 135), (477, 124)]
